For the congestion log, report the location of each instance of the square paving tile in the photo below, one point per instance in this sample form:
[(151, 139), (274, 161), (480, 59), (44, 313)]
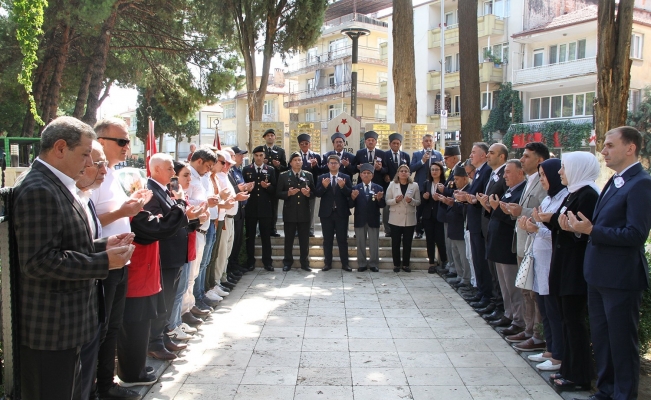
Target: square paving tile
[(382, 392), (284, 376), (323, 393), (378, 376), (331, 359), (340, 376), (433, 377), (371, 359)]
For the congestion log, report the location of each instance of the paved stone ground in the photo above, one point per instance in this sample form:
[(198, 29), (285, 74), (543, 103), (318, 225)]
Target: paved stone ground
[(333, 335)]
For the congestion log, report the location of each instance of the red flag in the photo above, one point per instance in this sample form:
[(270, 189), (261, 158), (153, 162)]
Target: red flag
[(151, 145), (216, 142)]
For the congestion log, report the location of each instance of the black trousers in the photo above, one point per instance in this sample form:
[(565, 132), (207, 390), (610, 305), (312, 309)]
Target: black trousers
[(552, 325), (420, 224), (266, 225), (614, 320), (170, 281), (406, 235), (303, 229), (88, 359), (274, 215), (234, 258), (577, 359), (479, 263), (133, 340), (335, 224), (51, 375), (496, 290), (115, 292), (435, 236)]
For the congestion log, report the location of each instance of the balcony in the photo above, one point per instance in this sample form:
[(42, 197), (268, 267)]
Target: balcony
[(365, 55), (454, 119), (488, 73), (383, 90), (554, 72), (487, 25), (365, 90)]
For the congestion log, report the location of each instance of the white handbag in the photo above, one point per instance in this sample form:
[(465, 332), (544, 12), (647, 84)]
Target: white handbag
[(524, 278)]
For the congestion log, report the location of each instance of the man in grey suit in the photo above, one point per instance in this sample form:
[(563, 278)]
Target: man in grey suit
[(59, 263), (534, 154)]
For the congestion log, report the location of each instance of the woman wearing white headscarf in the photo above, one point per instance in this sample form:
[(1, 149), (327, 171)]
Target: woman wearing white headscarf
[(578, 172)]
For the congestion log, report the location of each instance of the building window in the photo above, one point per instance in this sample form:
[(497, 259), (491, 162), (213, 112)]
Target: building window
[(565, 106), (457, 104), (336, 109), (636, 45), (380, 112), (309, 85), (331, 80), (488, 7), (486, 100), (450, 19), (312, 56), (212, 121), (229, 138), (553, 54), (448, 64), (229, 111), (567, 52), (538, 57), (633, 100), (310, 114), (337, 48), (382, 77), (534, 109), (269, 107)]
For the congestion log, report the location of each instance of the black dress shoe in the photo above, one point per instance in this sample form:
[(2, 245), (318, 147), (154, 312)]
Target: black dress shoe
[(362, 269), (237, 273), (233, 281), (118, 392), (268, 268), (442, 270), (419, 236), (396, 269), (431, 270), (347, 268), (173, 346), (190, 319), (312, 235), (229, 285), (197, 312), (250, 268), (162, 354), (501, 322), (375, 269), (286, 268), (495, 315), (451, 275), (275, 234), (233, 278), (512, 330), (593, 397), (326, 268), (471, 297), (387, 235), (487, 310), (149, 369), (406, 268), (480, 304), (460, 285), (308, 269)]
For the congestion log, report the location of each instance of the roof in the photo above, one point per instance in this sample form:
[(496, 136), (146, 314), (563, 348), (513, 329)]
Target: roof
[(365, 7)]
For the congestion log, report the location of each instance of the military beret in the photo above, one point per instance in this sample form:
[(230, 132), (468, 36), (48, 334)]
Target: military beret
[(293, 156), (259, 149), (270, 130)]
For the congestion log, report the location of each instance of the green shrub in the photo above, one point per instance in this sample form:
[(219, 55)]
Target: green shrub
[(645, 314)]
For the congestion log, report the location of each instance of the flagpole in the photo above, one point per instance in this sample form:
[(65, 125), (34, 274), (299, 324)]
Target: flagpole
[(217, 142)]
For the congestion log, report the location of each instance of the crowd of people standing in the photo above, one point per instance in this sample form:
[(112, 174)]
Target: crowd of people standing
[(105, 273)]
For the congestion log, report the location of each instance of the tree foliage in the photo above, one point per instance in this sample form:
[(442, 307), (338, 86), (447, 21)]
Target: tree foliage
[(641, 120), (507, 110)]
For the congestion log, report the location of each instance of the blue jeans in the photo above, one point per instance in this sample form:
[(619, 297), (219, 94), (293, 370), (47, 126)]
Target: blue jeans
[(199, 290), (175, 316)]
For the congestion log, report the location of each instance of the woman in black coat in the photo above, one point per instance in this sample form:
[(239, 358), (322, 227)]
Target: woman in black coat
[(434, 229), (578, 172)]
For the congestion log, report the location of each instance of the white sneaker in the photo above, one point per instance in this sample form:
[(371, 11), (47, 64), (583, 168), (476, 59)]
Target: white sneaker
[(178, 334), (219, 291), (187, 328), (548, 366), (538, 357), (213, 296)]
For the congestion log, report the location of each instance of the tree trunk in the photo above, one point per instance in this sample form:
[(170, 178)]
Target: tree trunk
[(469, 76), (82, 95), (404, 67), (51, 103), (613, 66), (100, 54)]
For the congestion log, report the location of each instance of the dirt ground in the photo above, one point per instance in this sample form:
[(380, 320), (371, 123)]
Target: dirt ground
[(645, 377)]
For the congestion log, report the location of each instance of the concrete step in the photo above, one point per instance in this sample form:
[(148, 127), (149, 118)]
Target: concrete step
[(317, 251), (318, 240), (318, 262)]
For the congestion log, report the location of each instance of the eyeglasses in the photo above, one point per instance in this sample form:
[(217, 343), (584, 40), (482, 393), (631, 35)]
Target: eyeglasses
[(100, 164), (120, 142), (222, 161)]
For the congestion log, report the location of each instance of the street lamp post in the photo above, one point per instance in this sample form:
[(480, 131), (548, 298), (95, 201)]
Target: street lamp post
[(354, 34)]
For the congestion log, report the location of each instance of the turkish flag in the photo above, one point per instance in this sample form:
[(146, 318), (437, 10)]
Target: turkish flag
[(151, 145)]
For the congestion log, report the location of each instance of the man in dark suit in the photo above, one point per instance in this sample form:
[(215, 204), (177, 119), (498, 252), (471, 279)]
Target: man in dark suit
[(451, 157), (393, 159), (274, 157), (420, 165), (334, 190), (368, 199), (237, 179), (296, 188), (348, 163), (373, 156), (499, 240), (474, 215), (59, 263), (312, 164), (258, 206), (456, 218), (615, 266)]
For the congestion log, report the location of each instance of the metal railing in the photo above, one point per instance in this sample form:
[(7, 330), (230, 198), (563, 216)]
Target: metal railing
[(364, 89), (365, 54), (557, 71), (360, 18)]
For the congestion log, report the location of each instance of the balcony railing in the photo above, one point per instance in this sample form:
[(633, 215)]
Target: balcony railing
[(383, 89), (365, 90), (488, 73), (558, 71), (368, 55), (454, 119), (487, 25), (353, 17)]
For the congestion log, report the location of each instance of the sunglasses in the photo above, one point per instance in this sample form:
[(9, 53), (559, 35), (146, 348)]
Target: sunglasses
[(222, 161), (100, 164), (120, 142)]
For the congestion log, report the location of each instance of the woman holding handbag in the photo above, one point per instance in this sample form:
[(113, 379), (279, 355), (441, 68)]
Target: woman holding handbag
[(539, 245), (403, 197)]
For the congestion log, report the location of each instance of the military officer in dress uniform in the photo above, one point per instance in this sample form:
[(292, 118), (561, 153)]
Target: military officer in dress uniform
[(258, 205), (393, 159), (348, 164), (312, 164), (296, 188), (274, 157)]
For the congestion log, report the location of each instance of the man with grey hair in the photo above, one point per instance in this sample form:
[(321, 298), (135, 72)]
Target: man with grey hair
[(60, 262)]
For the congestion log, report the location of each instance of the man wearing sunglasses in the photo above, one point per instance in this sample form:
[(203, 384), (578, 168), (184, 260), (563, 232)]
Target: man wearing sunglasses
[(114, 209)]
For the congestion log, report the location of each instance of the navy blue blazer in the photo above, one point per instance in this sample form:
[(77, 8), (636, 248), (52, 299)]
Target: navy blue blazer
[(614, 257), (378, 176), (351, 170), (367, 210), (329, 197), (456, 217), (421, 169), (316, 171), (475, 212), (501, 229), (392, 166)]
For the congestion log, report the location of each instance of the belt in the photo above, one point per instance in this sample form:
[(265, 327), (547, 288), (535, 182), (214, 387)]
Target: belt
[(230, 216), (202, 231)]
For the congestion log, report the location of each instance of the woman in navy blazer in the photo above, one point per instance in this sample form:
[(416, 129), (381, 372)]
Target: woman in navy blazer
[(434, 229)]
